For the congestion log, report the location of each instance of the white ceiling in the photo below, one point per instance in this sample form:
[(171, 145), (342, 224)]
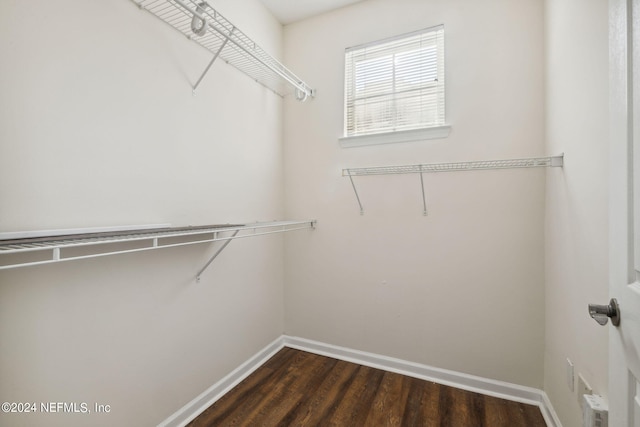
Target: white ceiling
[(288, 11)]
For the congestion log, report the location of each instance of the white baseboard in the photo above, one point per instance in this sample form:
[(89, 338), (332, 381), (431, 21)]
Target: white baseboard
[(500, 389)]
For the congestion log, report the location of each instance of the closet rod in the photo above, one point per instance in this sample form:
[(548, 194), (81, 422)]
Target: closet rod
[(532, 162)]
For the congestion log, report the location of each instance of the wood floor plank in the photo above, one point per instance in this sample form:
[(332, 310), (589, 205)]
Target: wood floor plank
[(387, 409), (320, 405), (533, 416), (455, 408), (295, 388), (523, 414), (356, 403), (237, 406), (496, 413), (283, 390), (229, 402), (423, 404), (285, 393), (307, 388), (280, 359)]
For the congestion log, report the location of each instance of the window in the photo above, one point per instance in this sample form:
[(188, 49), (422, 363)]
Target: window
[(396, 84)]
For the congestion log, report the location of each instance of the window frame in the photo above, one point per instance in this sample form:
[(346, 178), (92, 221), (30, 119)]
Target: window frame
[(440, 129)]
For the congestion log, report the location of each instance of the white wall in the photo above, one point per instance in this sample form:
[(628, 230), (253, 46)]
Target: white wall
[(98, 127), (576, 203), (463, 288)]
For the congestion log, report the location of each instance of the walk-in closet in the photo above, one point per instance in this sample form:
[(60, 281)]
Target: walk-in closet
[(335, 212)]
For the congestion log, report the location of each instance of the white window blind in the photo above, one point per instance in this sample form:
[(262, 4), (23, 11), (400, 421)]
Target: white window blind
[(395, 84)]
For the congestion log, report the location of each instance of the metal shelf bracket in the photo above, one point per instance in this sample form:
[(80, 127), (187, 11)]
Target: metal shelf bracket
[(206, 70), (214, 256), (353, 185), (424, 200)]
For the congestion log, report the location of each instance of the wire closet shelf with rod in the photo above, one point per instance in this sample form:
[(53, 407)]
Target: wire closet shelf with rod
[(531, 162), (47, 247), (201, 23)]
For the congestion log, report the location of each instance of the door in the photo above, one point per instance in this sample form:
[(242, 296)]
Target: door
[(624, 212)]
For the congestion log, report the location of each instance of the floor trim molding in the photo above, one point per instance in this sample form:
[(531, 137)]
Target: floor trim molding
[(463, 381)]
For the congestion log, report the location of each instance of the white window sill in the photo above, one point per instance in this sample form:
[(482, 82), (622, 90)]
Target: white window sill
[(435, 132)]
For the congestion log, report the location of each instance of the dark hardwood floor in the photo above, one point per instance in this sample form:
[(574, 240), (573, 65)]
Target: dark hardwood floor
[(295, 388)]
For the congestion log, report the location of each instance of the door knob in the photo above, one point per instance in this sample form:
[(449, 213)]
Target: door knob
[(602, 313)]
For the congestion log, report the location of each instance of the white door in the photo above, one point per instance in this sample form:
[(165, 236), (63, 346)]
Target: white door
[(624, 212)]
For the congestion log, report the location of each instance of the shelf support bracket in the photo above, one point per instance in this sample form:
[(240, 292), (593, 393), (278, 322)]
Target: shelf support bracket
[(424, 200), (220, 249), (356, 191), (206, 70)]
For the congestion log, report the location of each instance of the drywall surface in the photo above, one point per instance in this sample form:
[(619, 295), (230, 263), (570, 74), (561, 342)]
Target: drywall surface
[(576, 202), (98, 127), (461, 288)]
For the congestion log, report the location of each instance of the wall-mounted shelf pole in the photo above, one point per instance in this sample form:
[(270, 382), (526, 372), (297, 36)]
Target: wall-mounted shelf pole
[(533, 162)]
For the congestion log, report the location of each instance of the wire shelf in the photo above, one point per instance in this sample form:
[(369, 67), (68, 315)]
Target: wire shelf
[(533, 162), (53, 249), (223, 39), (536, 162)]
